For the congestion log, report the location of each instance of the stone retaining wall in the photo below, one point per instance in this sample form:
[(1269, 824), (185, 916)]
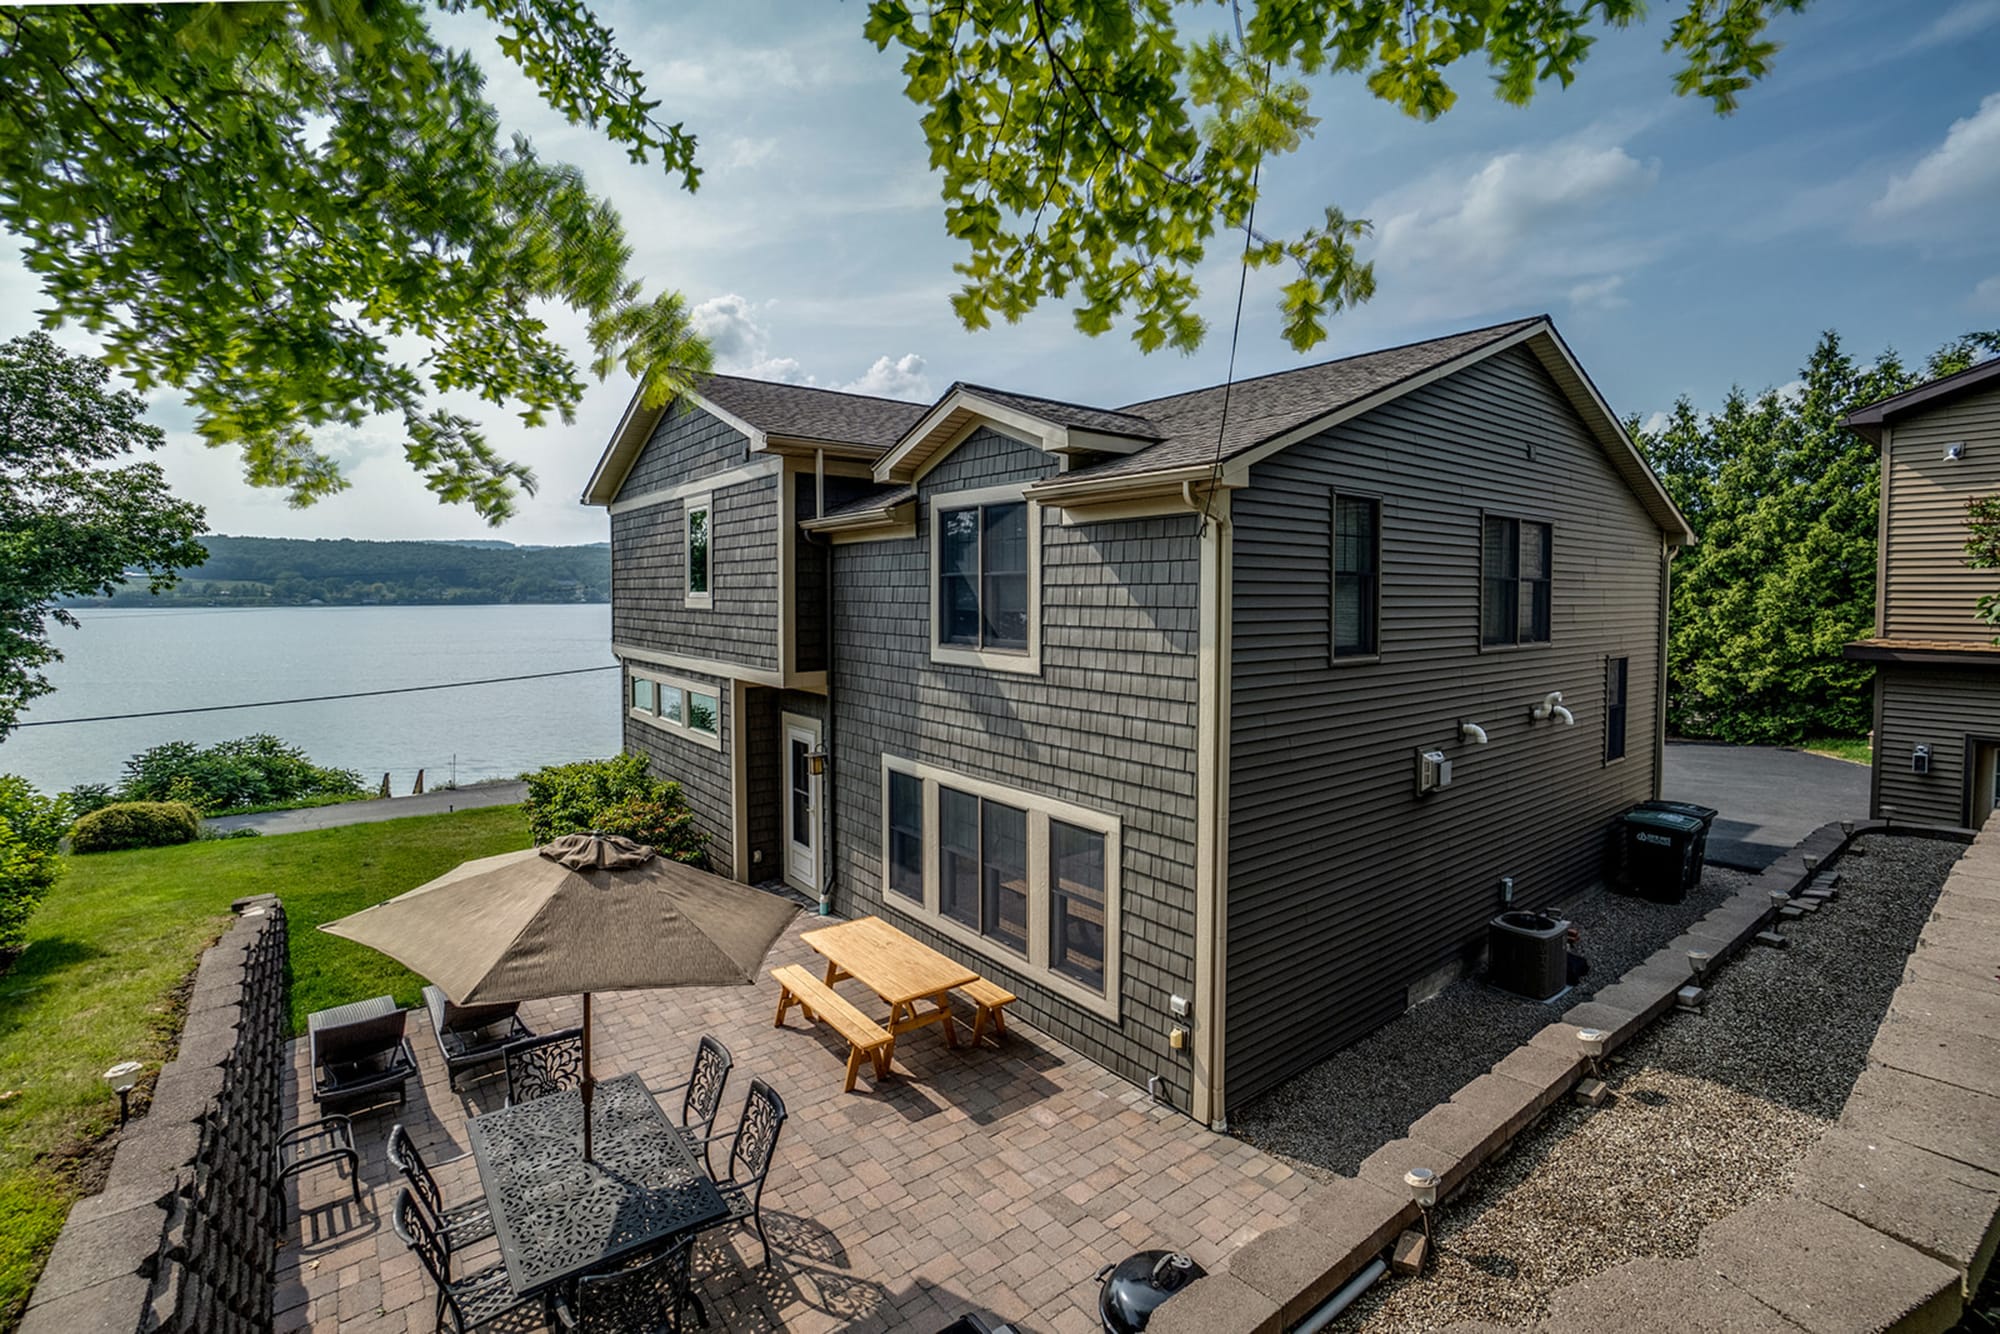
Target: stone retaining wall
[(1936, 1089), (184, 1237)]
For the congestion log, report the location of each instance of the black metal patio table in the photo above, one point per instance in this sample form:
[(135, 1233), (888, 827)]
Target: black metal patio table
[(557, 1216)]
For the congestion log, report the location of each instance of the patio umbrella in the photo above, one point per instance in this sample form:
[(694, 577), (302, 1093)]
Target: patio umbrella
[(584, 913)]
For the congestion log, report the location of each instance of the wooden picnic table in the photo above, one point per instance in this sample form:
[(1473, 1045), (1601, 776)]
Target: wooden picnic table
[(900, 969)]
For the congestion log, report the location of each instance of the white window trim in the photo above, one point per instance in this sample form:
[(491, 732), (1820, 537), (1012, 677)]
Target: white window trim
[(703, 502), (655, 718), (1040, 811), (1028, 663)]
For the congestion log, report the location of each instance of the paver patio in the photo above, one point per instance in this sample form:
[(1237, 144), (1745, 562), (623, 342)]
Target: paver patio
[(994, 1179)]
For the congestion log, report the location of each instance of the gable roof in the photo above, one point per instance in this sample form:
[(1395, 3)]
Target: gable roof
[(763, 410), (1869, 421), (1079, 416)]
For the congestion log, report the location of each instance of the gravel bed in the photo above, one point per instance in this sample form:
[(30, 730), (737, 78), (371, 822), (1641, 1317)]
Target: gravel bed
[(1326, 1120), (1711, 1112)]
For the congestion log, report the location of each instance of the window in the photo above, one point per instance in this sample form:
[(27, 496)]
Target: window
[(984, 567), (1076, 903), (1514, 604), (680, 707), (1030, 881), (700, 531), (1356, 542), (983, 577), (1614, 708), (906, 835)]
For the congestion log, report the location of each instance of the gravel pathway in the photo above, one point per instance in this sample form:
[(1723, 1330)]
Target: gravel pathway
[(1711, 1113), (1328, 1119)]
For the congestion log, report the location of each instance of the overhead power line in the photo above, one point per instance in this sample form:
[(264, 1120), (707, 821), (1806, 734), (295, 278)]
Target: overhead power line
[(317, 699)]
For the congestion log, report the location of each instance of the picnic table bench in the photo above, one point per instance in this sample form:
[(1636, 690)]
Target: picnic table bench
[(821, 1002)]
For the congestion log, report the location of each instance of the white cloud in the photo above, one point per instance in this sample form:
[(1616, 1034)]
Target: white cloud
[(1656, 422), (1514, 231), (1961, 171), (1986, 296), (742, 346), (1956, 24)]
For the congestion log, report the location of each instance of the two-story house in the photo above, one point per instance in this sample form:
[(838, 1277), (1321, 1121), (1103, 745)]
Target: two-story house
[(1937, 668), (1129, 707)]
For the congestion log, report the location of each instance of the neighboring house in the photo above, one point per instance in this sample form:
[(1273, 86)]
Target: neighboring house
[(1127, 707), (1937, 669)]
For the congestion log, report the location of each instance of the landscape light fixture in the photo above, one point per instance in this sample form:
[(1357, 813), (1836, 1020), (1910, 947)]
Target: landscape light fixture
[(1591, 1042), (1812, 863), (123, 1078), (1847, 829), (1700, 961), (1423, 1184)]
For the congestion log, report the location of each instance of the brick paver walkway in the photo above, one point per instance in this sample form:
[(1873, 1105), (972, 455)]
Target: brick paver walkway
[(989, 1179)]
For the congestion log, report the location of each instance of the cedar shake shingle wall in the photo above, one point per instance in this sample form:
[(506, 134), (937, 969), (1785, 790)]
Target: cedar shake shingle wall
[(1939, 707), (702, 773), (1928, 590), (648, 574), (1108, 725), (1344, 885)]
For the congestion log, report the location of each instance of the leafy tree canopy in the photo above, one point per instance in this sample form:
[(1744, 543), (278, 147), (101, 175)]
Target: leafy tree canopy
[(307, 215), (73, 521), (1782, 500)]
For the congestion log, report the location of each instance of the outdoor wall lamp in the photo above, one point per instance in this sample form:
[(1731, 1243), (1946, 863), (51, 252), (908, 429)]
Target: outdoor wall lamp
[(123, 1078), (816, 761)]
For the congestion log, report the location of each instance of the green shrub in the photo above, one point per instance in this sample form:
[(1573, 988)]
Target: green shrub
[(615, 796), (259, 770), (31, 828), (135, 824)]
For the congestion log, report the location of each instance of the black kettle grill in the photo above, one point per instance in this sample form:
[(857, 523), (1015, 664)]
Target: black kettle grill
[(1135, 1286)]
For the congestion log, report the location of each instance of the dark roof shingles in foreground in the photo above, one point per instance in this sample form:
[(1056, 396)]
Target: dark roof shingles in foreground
[(1078, 415), (806, 413)]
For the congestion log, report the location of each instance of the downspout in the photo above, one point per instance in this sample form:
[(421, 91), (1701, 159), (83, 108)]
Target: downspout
[(826, 821), (1660, 672)]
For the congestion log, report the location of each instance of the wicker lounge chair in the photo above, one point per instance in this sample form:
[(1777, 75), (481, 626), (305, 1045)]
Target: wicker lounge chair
[(470, 1036), (359, 1053)]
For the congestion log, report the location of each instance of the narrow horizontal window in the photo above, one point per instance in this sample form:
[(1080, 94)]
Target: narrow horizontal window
[(642, 694), (703, 712)]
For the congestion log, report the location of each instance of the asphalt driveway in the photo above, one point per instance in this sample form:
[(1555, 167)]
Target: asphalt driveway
[(1770, 797)]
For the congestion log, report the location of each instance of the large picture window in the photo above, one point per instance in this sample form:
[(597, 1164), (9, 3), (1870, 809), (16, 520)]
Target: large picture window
[(1356, 548), (1027, 880), (1515, 565), (984, 566)]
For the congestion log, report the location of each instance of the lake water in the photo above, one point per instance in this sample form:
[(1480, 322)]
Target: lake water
[(131, 661)]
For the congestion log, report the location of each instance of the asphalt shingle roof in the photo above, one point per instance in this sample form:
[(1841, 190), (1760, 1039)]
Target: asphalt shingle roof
[(806, 413), (1079, 415)]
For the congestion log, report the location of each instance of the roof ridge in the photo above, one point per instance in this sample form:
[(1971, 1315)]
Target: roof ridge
[(1494, 329), (1044, 398), (807, 388)]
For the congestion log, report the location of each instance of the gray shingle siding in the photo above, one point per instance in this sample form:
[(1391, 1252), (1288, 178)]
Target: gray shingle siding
[(1344, 885), (1108, 725), (685, 445), (702, 773)]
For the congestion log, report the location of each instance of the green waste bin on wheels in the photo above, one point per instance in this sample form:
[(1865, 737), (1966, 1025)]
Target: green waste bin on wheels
[(1705, 814), (1661, 853)]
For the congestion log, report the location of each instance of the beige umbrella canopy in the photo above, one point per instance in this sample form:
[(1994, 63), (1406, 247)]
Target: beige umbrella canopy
[(583, 913)]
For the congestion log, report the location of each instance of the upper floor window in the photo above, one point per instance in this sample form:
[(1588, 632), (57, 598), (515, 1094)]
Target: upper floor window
[(984, 574), (1514, 561), (1615, 671), (1356, 549), (699, 515)]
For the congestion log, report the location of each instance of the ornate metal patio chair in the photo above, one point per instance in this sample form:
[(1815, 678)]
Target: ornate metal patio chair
[(462, 1224), (653, 1296), (701, 1099), (539, 1066), (751, 1149), (471, 1300), (470, 1036)]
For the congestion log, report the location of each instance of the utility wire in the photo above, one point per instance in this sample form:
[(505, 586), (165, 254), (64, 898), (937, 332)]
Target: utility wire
[(1235, 333), (316, 699)]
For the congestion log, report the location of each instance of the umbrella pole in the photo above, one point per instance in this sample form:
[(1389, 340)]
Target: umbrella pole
[(589, 1080)]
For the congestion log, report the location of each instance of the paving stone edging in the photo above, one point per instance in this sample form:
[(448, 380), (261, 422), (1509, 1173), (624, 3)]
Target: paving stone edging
[(1276, 1279), (184, 1236)]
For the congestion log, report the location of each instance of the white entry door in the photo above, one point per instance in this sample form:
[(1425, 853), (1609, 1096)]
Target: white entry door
[(802, 799)]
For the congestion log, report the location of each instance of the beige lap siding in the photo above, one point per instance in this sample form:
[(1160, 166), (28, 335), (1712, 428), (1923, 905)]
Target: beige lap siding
[(1928, 591), (1937, 707)]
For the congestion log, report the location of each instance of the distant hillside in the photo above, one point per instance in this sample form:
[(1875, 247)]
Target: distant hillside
[(284, 572)]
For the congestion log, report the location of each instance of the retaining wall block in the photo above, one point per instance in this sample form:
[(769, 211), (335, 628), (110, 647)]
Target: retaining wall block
[(1822, 1270), (1654, 1294), (1546, 1074), (1944, 1118), (1218, 1304), (1940, 997), (1952, 1054), (1945, 1209), (1481, 1118), (1385, 1167), (1618, 1024)]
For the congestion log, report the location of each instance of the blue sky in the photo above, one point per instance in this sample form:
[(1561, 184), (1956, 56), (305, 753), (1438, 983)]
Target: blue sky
[(1678, 251)]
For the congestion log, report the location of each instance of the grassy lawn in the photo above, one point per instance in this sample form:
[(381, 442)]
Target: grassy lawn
[(118, 936), (1855, 750)]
